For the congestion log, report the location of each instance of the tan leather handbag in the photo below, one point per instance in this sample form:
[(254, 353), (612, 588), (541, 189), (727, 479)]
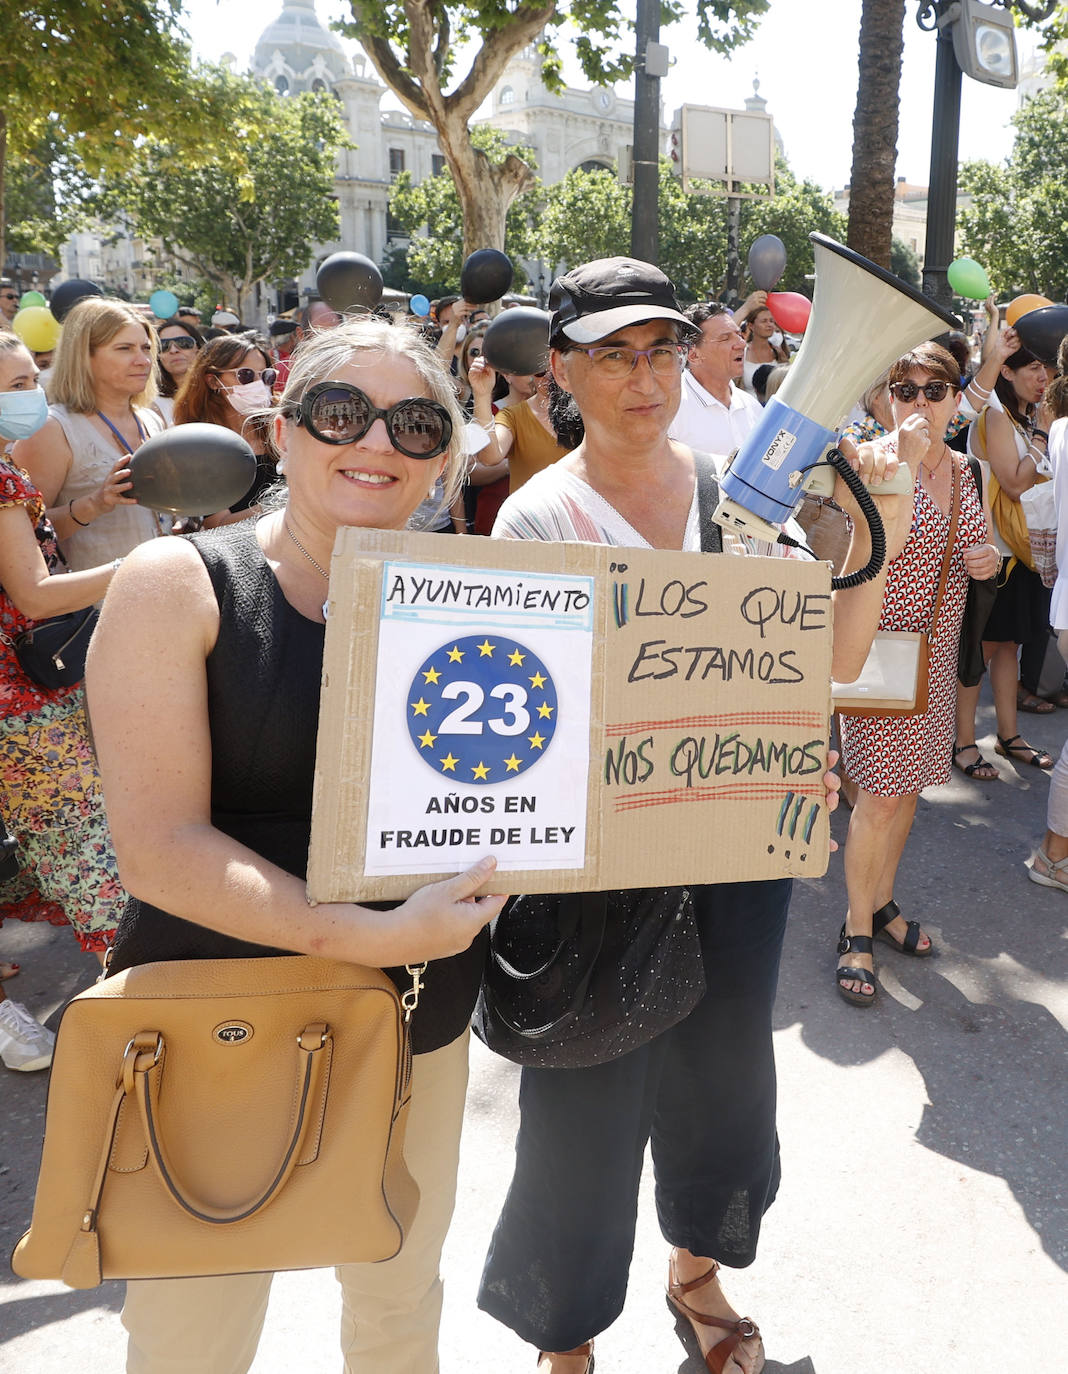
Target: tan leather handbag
[(224, 1116)]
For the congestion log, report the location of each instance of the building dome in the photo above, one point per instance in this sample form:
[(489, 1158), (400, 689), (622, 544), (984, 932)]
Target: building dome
[(297, 53)]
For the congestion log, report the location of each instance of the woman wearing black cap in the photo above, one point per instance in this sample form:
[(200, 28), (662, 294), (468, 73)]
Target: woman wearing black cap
[(703, 1092)]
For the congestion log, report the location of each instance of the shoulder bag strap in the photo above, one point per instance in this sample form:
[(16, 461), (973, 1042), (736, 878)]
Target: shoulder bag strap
[(954, 510), (707, 501)]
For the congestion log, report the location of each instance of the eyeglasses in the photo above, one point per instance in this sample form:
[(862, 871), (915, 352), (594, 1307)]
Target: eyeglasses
[(615, 361), (247, 375), (908, 391), (337, 413), (8, 296), (183, 342)]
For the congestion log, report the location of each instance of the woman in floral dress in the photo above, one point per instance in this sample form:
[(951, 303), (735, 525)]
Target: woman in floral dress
[(893, 758)]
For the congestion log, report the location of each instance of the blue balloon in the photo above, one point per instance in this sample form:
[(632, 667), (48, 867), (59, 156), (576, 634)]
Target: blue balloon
[(163, 304), (419, 305)]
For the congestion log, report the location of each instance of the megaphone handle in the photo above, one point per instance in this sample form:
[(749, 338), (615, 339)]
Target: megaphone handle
[(868, 509)]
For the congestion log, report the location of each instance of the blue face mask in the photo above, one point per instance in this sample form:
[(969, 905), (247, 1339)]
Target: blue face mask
[(22, 413)]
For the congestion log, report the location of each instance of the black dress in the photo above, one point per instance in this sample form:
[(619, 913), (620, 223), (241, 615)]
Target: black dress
[(263, 705)]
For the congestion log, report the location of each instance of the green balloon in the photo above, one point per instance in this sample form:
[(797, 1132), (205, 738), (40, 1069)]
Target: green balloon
[(968, 278), (31, 298)]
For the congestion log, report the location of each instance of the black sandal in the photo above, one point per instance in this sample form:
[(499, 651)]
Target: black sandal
[(845, 973), (911, 944), (1016, 746), (981, 770)]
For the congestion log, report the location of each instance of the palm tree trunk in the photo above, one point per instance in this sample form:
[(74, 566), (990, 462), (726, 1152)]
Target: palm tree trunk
[(871, 187)]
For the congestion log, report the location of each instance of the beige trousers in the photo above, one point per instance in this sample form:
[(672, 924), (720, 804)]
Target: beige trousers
[(390, 1311)]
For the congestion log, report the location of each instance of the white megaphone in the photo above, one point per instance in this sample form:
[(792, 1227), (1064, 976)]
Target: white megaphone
[(863, 319)]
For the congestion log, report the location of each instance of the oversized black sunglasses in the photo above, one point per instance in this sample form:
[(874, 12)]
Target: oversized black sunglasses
[(338, 413), (183, 342), (908, 391)]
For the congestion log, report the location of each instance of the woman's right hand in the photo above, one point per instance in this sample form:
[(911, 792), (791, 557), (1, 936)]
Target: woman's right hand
[(440, 919), (481, 379), (112, 491)]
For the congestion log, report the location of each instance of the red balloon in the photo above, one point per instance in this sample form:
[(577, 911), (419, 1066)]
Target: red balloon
[(790, 310)]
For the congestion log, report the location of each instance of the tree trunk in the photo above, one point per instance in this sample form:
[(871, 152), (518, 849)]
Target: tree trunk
[(486, 190), (871, 187)]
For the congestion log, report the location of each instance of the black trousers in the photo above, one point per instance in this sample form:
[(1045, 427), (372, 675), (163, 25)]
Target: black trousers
[(703, 1095)]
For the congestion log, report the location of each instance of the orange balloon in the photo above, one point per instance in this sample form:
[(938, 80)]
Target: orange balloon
[(1022, 305)]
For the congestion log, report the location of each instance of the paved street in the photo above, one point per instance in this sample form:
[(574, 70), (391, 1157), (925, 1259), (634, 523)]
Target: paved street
[(921, 1222)]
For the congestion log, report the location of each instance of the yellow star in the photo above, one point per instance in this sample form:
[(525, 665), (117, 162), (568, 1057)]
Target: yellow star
[(481, 771), (485, 649), (431, 675), (427, 741), (535, 740), (448, 764), (516, 658), (545, 710), (513, 764), (537, 680), (420, 707), (456, 655)]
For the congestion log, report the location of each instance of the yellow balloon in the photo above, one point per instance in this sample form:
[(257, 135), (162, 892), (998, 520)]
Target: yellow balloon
[(1023, 305), (37, 327)]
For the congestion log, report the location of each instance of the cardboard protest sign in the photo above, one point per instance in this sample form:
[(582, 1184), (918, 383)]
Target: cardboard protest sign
[(595, 717)]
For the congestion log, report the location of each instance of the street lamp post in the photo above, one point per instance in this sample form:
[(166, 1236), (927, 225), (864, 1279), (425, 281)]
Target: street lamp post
[(942, 183)]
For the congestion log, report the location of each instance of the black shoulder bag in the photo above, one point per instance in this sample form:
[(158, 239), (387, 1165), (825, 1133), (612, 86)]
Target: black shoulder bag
[(977, 608), (579, 978)]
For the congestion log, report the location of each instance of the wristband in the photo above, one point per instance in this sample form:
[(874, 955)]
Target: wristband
[(70, 507), (1040, 434)]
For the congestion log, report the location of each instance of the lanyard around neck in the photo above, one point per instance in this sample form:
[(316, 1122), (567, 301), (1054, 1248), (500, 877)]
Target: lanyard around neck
[(121, 438)]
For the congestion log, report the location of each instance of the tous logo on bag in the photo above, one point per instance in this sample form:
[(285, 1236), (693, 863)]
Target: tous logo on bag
[(233, 1033)]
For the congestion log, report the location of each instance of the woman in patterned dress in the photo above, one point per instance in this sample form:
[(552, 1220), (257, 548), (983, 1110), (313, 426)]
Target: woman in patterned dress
[(49, 787), (893, 758)]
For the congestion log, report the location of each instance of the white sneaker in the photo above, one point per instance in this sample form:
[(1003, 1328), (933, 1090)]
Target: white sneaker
[(24, 1043)]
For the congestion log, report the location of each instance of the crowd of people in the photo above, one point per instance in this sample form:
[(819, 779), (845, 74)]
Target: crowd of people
[(368, 419)]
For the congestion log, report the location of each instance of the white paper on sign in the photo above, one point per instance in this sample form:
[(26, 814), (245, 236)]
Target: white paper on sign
[(481, 720)]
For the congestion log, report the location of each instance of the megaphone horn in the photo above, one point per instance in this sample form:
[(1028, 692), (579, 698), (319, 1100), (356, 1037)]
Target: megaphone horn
[(863, 319)]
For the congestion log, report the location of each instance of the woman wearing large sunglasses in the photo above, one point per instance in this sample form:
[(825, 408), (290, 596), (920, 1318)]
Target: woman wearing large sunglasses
[(229, 383), (892, 759), (179, 343), (213, 845)]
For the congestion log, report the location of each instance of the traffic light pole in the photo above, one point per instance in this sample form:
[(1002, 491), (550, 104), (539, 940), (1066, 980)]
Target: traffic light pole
[(645, 213), (942, 195)]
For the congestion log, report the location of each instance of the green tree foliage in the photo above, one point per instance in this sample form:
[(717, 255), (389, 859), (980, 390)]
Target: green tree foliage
[(413, 45), (904, 262), (239, 227), (434, 205), (587, 215), (1017, 224), (84, 76)]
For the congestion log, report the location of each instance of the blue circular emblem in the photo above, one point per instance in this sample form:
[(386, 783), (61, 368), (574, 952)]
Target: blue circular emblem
[(481, 709)]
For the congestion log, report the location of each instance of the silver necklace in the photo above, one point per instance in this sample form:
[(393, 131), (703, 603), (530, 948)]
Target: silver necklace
[(317, 566)]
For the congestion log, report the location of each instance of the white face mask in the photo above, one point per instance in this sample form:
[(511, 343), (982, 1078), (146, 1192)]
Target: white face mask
[(246, 400), (775, 339), (461, 333)]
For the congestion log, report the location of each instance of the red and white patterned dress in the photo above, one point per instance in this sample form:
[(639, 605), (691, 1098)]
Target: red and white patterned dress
[(896, 756)]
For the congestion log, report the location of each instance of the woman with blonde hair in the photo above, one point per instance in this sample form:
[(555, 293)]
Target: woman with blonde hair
[(100, 394), (213, 848)]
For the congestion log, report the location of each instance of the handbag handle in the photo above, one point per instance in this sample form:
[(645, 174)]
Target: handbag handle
[(142, 1083), (954, 510)]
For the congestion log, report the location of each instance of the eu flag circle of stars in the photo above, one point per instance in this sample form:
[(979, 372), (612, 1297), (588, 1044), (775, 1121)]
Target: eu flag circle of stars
[(482, 709)]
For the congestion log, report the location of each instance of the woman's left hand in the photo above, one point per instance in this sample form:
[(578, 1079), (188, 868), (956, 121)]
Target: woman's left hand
[(832, 784), (982, 561)]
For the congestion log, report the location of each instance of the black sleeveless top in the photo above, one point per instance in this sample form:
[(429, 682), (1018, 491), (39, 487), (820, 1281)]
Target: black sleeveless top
[(263, 705)]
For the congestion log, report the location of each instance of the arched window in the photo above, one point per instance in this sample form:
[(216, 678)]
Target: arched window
[(318, 84), (507, 95), (281, 85), (593, 165)]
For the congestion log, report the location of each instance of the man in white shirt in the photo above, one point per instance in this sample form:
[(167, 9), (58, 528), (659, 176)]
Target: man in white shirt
[(714, 415)]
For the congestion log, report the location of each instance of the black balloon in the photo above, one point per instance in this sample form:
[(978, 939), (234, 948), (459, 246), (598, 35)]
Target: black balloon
[(348, 279), (1042, 330), (66, 296), (485, 276), (518, 341), (192, 470)]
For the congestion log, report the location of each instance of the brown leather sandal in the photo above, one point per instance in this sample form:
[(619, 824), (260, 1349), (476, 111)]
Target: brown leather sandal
[(739, 1330), (586, 1348)]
